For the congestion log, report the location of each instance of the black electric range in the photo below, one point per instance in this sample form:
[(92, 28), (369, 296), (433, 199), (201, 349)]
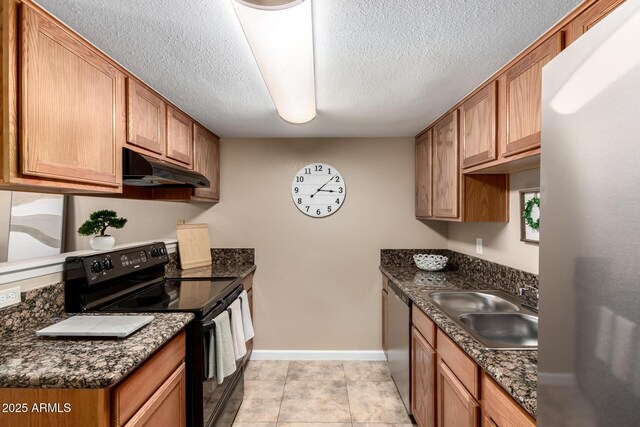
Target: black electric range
[(132, 280)]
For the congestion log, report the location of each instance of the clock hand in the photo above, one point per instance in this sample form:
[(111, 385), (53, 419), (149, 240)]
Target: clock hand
[(328, 191), (320, 189)]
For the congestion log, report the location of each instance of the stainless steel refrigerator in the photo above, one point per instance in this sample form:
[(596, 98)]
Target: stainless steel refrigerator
[(589, 338)]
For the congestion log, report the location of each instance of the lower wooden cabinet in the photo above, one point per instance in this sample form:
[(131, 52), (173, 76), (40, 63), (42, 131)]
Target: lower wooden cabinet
[(385, 301), (385, 314), (448, 389), (247, 284), (137, 391), (499, 409), (423, 380), (166, 407), (456, 406), (152, 395)]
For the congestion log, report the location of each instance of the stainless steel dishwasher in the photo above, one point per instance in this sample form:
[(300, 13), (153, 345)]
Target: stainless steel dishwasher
[(398, 342)]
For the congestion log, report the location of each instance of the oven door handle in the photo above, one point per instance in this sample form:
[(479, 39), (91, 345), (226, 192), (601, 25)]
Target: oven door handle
[(208, 325)]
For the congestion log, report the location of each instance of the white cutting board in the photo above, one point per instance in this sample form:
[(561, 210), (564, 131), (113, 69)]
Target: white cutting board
[(96, 326)]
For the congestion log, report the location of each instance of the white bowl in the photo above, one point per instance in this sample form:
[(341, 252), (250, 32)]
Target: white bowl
[(430, 262)]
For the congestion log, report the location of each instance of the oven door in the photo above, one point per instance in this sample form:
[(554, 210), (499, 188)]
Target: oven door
[(220, 402)]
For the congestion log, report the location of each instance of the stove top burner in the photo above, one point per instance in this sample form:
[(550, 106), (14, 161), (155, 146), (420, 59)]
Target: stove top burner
[(196, 296)]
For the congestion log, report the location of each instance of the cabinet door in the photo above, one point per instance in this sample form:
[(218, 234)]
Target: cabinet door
[(456, 406), (521, 87), (424, 168), (72, 118), (385, 299), (179, 136), (146, 113), (423, 380), (590, 17), (167, 406), (206, 160), (478, 121), (250, 296), (499, 409), (446, 172)]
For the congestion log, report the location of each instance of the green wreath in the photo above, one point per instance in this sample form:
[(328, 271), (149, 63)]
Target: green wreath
[(528, 207)]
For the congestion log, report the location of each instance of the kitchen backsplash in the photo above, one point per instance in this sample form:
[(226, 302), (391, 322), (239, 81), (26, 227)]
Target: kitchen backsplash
[(503, 277), (222, 258), (37, 308)]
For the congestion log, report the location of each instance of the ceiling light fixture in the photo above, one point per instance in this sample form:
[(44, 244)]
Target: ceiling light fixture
[(281, 39)]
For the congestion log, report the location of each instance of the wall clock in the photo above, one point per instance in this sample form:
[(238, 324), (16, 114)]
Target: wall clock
[(318, 190)]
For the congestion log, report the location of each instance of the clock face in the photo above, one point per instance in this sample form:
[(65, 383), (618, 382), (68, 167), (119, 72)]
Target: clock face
[(318, 190)]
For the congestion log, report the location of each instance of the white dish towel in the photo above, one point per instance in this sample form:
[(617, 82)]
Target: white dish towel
[(237, 330), (225, 360), (247, 324)]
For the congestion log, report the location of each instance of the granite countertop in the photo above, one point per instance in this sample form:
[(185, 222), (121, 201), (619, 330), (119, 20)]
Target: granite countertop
[(515, 371), (29, 361)]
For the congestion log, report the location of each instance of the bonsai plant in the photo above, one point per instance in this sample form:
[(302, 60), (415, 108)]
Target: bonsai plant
[(97, 225)]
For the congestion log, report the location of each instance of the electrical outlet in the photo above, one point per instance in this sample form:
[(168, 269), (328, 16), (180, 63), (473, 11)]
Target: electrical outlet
[(180, 221), (479, 246), (10, 296)]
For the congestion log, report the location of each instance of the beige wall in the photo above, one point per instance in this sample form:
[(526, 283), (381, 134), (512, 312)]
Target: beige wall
[(147, 220), (317, 285), (501, 241)]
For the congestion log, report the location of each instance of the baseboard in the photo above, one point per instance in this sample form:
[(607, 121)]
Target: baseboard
[(318, 355), (559, 379)]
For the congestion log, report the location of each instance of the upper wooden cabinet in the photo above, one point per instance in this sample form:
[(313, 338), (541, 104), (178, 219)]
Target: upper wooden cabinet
[(179, 136), (146, 121), (446, 171), (442, 193), (521, 87), (500, 128), (478, 121), (424, 167), (72, 106), (68, 110), (590, 17), (206, 160)]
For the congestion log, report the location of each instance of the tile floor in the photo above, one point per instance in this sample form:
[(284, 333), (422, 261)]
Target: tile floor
[(339, 394)]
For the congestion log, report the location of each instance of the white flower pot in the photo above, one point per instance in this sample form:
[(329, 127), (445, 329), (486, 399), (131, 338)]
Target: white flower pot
[(102, 243)]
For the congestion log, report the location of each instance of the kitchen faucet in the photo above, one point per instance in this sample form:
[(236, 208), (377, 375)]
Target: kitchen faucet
[(531, 292)]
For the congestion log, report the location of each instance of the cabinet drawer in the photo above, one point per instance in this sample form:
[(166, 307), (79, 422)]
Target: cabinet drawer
[(423, 324), (464, 368), (129, 396), (500, 409)]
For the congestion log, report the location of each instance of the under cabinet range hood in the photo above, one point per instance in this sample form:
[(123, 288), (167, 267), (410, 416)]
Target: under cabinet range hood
[(144, 171)]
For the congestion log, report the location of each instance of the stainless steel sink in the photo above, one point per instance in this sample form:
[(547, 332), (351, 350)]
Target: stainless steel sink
[(472, 302), (503, 330), (495, 318)]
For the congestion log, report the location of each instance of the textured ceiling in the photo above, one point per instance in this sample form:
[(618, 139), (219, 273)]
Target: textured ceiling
[(383, 67)]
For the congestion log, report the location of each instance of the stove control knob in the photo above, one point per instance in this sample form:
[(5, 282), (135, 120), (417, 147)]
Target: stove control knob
[(107, 264), (96, 267), (154, 252), (162, 250)]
